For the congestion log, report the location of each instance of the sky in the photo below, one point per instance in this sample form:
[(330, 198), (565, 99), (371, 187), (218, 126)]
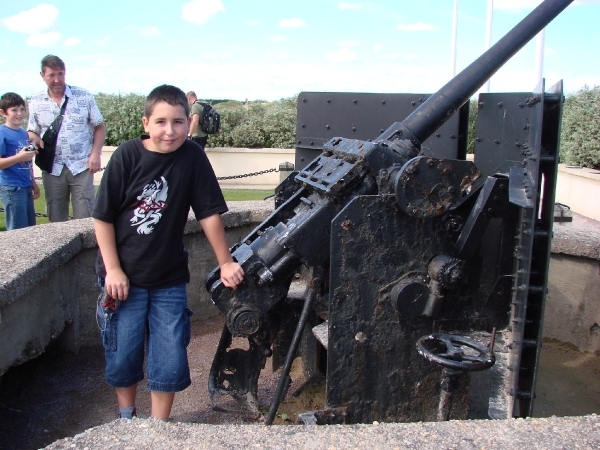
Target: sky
[(272, 49)]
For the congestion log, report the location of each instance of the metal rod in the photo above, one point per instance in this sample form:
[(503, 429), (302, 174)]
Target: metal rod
[(282, 383)]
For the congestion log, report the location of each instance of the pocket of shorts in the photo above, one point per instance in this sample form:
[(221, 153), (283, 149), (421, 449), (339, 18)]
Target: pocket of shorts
[(107, 320), (187, 333)]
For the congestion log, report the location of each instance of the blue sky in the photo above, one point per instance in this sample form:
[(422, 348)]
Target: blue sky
[(269, 49)]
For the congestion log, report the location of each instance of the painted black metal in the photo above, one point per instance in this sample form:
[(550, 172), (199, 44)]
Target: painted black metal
[(455, 352), (339, 218), (325, 115)]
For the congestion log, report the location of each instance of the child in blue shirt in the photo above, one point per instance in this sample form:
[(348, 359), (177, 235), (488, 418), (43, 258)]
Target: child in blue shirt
[(17, 185)]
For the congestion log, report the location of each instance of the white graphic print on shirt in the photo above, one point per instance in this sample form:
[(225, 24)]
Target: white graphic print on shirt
[(151, 202)]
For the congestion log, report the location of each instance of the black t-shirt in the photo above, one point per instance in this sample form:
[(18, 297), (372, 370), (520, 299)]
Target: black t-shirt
[(147, 197)]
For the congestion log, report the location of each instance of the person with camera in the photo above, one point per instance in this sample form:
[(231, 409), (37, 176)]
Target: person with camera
[(71, 149), (17, 185)]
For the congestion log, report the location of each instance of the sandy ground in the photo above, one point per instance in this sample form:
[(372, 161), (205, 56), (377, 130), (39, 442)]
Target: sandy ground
[(56, 396)]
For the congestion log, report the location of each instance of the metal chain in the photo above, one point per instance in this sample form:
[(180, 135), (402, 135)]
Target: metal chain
[(232, 177), (253, 174)]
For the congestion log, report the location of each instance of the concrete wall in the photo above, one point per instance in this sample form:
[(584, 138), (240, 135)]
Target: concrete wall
[(573, 302), (48, 287), (231, 161), (579, 189)]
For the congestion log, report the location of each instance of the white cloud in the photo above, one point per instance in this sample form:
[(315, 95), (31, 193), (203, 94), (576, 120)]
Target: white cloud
[(348, 43), (103, 42), (103, 63), (377, 47), (215, 56), (145, 31), (417, 26), (252, 23), (342, 55), (277, 38), (350, 6), (270, 55), (33, 20), (549, 52), (292, 23), (72, 41), (43, 39), (199, 11)]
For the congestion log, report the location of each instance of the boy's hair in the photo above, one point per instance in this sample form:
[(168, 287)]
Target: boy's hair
[(10, 100), (171, 95), (52, 62)]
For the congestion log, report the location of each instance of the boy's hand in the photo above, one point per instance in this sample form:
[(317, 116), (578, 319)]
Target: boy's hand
[(232, 274), (26, 155), (35, 139), (117, 284), (36, 191)]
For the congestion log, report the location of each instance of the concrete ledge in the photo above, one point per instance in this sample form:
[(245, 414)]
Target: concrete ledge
[(48, 286), (580, 238), (554, 433), (579, 187)]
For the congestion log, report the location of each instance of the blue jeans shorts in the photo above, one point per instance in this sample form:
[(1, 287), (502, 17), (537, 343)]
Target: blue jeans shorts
[(18, 206), (158, 319)]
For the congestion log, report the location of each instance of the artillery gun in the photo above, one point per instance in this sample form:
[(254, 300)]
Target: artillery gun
[(388, 250)]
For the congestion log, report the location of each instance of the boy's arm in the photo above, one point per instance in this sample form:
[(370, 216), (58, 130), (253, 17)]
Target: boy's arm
[(194, 124), (116, 282), (23, 155), (231, 272), (36, 190)]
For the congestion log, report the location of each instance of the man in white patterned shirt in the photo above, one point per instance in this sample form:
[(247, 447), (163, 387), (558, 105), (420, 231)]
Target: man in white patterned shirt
[(79, 144)]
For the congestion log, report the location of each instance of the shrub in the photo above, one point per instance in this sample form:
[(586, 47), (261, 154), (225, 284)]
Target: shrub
[(580, 135), (122, 116)]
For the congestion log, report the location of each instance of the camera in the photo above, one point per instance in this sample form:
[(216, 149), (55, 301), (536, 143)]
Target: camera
[(30, 148)]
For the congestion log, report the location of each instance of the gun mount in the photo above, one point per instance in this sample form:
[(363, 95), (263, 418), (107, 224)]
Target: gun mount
[(380, 243)]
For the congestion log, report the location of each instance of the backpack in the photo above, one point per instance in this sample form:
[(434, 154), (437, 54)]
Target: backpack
[(210, 122)]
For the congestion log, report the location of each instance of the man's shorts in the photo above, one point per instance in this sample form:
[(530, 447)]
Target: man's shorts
[(158, 318)]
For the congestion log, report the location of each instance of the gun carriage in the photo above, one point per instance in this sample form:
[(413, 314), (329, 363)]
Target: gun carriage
[(393, 263)]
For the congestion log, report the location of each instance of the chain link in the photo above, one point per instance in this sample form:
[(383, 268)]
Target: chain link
[(253, 174)]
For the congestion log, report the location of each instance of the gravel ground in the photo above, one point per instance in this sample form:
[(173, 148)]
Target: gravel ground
[(554, 433)]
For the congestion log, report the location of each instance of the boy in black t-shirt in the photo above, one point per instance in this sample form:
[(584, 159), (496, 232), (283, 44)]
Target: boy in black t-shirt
[(141, 210)]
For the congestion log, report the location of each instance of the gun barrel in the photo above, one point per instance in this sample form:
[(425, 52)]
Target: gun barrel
[(438, 108)]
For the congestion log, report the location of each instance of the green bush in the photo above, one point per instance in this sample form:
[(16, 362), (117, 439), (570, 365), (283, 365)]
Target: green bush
[(122, 116), (472, 127), (580, 135)]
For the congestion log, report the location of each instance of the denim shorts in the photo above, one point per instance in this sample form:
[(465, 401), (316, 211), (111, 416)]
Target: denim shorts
[(158, 319), (18, 206)]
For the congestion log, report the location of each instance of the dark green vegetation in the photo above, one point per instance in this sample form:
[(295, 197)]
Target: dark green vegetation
[(255, 124), (580, 137)]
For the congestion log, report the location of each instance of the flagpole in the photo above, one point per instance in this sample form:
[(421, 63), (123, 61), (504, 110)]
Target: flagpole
[(454, 35), (488, 34)]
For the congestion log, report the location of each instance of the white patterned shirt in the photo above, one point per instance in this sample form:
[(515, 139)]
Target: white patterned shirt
[(76, 135)]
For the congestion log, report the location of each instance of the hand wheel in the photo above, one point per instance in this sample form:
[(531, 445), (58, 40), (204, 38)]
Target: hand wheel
[(456, 352)]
